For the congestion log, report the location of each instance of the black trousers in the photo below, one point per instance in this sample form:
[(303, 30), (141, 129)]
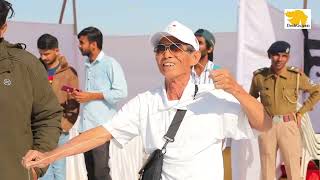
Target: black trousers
[(97, 163)]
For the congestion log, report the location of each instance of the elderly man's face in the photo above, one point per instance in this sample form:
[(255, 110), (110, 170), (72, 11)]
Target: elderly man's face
[(174, 58)]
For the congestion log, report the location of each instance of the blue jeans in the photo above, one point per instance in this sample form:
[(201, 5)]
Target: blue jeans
[(57, 170)]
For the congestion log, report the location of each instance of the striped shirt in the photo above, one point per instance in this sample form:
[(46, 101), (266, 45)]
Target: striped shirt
[(204, 76)]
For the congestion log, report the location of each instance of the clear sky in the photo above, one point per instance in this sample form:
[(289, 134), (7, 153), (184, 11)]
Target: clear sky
[(140, 17)]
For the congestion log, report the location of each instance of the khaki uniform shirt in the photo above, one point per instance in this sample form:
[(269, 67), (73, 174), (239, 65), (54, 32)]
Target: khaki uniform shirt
[(278, 93)]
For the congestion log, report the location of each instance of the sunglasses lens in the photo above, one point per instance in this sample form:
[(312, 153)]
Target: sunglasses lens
[(160, 48), (175, 48)]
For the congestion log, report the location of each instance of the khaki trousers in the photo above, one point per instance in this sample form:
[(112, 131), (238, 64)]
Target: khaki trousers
[(286, 137)]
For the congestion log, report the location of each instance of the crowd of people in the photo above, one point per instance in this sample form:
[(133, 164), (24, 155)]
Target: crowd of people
[(40, 102)]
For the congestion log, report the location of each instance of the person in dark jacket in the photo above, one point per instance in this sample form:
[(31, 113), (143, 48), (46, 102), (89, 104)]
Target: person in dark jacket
[(30, 112)]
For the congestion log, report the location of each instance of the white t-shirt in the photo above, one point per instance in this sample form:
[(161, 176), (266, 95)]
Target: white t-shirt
[(196, 152)]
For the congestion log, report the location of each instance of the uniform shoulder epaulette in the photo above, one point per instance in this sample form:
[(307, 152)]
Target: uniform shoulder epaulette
[(294, 69), (260, 70)]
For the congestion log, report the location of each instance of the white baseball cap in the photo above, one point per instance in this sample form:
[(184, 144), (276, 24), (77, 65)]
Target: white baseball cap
[(179, 31)]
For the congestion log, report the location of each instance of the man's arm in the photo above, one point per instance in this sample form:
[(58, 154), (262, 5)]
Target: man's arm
[(257, 116), (314, 93), (253, 88), (119, 89), (124, 127), (70, 107), (83, 97), (79, 144), (112, 95)]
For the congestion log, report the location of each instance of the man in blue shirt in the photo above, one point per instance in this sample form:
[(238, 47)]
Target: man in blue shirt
[(105, 86)]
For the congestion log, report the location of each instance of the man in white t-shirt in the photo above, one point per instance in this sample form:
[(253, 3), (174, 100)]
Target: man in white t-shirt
[(222, 110)]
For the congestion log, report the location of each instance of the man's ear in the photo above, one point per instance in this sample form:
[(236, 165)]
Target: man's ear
[(3, 29), (57, 51), (210, 50), (94, 44), (196, 55)]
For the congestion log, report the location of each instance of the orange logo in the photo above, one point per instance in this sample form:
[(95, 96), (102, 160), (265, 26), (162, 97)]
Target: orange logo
[(297, 18)]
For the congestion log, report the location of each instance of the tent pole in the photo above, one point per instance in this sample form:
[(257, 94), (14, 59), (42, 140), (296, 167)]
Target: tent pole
[(305, 4), (62, 11), (75, 23)]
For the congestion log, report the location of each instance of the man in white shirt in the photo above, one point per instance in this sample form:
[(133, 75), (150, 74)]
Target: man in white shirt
[(216, 112), (200, 75), (201, 71)]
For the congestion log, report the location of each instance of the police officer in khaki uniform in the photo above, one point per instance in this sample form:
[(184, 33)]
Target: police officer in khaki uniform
[(277, 88)]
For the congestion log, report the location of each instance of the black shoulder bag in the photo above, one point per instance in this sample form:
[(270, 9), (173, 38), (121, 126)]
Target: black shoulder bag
[(152, 168)]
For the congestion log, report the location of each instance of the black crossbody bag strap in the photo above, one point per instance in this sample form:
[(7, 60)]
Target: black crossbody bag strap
[(176, 122), (174, 126)]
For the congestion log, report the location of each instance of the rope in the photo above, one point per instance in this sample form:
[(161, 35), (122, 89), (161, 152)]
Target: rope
[(297, 92)]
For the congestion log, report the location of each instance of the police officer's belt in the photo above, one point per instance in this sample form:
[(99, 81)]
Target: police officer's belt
[(283, 118)]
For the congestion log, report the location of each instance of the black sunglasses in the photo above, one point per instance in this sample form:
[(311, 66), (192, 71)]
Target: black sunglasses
[(173, 48)]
